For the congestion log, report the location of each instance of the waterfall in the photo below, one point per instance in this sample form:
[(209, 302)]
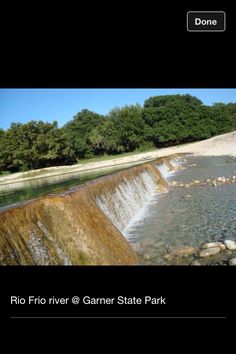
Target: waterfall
[(163, 168), (122, 204), (85, 225)]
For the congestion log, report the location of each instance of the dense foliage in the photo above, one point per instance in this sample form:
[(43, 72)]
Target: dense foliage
[(162, 121)]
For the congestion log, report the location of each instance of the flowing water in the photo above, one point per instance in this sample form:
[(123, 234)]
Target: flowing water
[(84, 225), (191, 216), (15, 192)]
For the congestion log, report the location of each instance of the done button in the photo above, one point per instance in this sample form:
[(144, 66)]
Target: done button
[(206, 21)]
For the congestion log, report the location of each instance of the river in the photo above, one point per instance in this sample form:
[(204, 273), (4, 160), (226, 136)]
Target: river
[(194, 215)]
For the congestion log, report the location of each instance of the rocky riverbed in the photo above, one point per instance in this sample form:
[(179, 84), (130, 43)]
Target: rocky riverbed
[(212, 182), (159, 253)]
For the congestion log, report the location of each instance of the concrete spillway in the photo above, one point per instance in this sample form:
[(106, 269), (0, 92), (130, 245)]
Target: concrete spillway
[(84, 225)]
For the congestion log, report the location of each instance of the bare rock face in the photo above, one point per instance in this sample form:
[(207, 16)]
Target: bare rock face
[(209, 252), (231, 245)]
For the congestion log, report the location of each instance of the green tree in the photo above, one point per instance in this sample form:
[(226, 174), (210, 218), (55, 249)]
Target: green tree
[(129, 127), (173, 119), (167, 100), (33, 145), (78, 133)]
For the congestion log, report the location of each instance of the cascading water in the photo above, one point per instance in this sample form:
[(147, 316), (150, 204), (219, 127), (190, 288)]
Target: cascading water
[(165, 171), (128, 198), (85, 225)]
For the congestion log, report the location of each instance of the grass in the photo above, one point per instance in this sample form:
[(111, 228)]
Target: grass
[(113, 157)]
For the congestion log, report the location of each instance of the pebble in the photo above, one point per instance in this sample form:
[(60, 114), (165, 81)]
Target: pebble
[(137, 247), (213, 244), (209, 252), (231, 245), (182, 251), (213, 182), (232, 262), (159, 244), (174, 183), (146, 257), (195, 263), (167, 256)]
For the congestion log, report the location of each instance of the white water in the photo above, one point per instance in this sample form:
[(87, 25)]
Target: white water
[(163, 168), (128, 199), (131, 201), (128, 205)]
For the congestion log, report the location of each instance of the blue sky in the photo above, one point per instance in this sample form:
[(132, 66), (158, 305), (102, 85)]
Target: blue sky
[(22, 105)]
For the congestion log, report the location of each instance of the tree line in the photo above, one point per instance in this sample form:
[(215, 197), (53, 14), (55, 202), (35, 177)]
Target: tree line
[(162, 121)]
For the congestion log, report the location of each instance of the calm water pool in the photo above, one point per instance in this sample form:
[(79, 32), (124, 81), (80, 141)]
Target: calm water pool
[(14, 193)]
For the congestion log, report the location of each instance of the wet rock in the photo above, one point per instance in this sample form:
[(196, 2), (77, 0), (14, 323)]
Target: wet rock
[(183, 251), (154, 252), (180, 261), (209, 252), (167, 256), (147, 243), (160, 250), (159, 244), (146, 257), (158, 260), (195, 262), (137, 247), (232, 262), (174, 183), (231, 245), (214, 244), (148, 262)]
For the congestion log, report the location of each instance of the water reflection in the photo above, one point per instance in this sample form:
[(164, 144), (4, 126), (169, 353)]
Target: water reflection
[(25, 190)]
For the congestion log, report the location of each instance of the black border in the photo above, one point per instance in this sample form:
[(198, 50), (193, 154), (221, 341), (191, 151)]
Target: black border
[(160, 53)]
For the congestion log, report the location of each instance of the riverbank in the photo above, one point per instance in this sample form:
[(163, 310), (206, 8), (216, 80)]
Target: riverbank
[(217, 146)]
